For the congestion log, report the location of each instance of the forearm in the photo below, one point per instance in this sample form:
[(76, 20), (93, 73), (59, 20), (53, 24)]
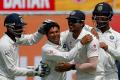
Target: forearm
[(59, 55), (18, 71), (30, 39), (74, 51), (114, 52), (86, 67)]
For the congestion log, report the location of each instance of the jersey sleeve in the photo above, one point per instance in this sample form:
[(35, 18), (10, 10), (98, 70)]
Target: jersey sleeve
[(54, 54), (29, 39), (65, 36), (88, 28), (92, 49), (22, 71), (11, 66), (115, 52)]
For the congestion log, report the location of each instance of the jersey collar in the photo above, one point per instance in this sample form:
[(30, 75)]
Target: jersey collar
[(53, 44)]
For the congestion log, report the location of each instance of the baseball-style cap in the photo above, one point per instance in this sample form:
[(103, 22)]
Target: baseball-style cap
[(76, 14), (14, 19)]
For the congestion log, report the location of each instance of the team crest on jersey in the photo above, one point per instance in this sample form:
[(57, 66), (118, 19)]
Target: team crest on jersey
[(94, 47), (64, 46), (111, 37)]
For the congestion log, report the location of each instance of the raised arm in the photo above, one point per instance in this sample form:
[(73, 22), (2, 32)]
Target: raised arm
[(35, 37)]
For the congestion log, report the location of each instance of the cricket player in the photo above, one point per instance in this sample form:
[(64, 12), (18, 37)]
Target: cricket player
[(87, 59), (9, 57), (53, 52), (109, 40)]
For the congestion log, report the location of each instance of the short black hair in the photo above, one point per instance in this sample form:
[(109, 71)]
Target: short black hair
[(52, 24)]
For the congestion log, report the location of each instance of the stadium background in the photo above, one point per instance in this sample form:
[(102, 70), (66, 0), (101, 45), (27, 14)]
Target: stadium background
[(57, 10)]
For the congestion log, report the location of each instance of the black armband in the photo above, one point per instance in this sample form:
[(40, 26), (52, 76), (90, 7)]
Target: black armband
[(73, 67)]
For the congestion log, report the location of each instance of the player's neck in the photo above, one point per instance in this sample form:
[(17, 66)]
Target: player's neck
[(104, 29), (76, 34), (11, 36)]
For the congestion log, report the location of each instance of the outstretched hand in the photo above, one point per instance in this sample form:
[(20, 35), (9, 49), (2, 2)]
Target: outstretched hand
[(43, 70), (104, 46), (62, 67), (43, 27)]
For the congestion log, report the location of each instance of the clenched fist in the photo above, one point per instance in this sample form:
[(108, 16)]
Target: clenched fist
[(104, 46), (86, 39), (62, 67), (44, 26)]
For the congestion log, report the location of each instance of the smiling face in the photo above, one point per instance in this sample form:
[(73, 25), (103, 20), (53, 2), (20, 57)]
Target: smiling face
[(53, 35)]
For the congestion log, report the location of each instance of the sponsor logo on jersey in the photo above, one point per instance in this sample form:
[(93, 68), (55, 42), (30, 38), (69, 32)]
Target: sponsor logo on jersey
[(111, 37)]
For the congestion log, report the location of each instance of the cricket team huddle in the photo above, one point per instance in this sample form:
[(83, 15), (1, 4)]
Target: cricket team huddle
[(94, 51)]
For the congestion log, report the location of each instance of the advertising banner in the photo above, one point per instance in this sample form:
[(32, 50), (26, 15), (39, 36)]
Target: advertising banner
[(26, 5), (51, 6), (117, 5), (85, 5)]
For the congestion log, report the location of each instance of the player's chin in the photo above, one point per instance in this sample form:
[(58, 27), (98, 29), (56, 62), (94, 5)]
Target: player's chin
[(57, 41), (71, 30)]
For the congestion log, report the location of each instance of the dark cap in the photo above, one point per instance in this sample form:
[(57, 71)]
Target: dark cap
[(77, 14), (14, 19)]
